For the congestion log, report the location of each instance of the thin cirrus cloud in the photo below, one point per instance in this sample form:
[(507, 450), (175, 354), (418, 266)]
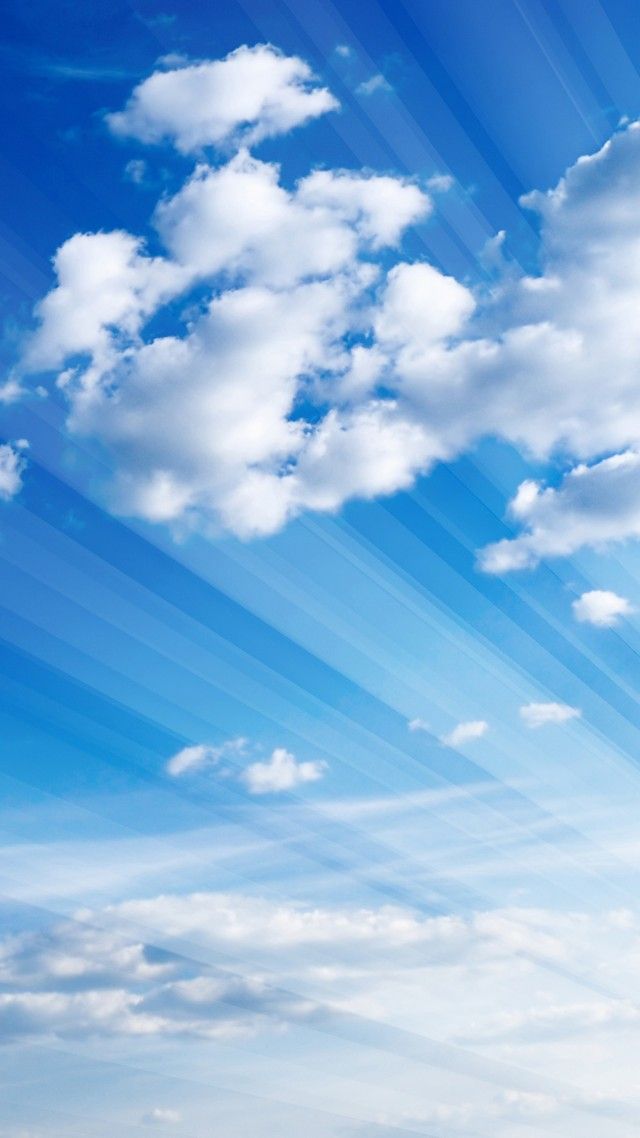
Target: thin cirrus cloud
[(309, 295), (601, 607), (465, 733), (280, 772), (536, 715)]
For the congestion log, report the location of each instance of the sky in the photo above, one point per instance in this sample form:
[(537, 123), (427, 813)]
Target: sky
[(319, 569)]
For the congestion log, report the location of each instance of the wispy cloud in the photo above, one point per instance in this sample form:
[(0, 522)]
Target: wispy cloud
[(374, 83), (465, 733), (539, 714)]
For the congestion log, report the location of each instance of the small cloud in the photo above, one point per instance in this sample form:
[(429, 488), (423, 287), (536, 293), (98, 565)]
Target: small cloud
[(135, 171), (440, 183), (11, 468), (601, 607), (281, 772), (465, 732), (375, 83), (200, 755), (161, 1116), (344, 50), (538, 714), (418, 725), (173, 59)]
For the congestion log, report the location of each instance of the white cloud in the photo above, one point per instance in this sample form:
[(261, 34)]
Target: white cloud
[(12, 464), (601, 607), (136, 171), (465, 733), (252, 94), (312, 965), (106, 287), (200, 755), (538, 714), (160, 1115), (239, 219), (310, 370), (418, 725), (375, 83), (593, 505), (281, 771)]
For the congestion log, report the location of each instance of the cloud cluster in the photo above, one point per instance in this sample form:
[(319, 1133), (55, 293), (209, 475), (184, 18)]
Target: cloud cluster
[(386, 975), (280, 772), (309, 363), (99, 977)]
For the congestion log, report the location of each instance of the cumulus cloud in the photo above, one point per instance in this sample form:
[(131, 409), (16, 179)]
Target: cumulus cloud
[(96, 976), (593, 505), (311, 363), (200, 755), (465, 732), (252, 94), (12, 463), (538, 714), (281, 771), (76, 980), (601, 607)]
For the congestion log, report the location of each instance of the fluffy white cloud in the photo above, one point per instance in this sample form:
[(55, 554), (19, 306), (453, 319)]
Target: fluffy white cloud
[(309, 369), (239, 219), (465, 732), (592, 505), (12, 464), (281, 771), (291, 964), (106, 287), (253, 93), (200, 755), (538, 714), (601, 607)]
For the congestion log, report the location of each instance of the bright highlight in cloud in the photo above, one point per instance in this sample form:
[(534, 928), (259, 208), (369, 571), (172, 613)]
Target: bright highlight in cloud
[(539, 714), (601, 607)]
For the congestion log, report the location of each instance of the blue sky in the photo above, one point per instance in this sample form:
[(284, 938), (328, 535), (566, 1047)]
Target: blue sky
[(320, 581)]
